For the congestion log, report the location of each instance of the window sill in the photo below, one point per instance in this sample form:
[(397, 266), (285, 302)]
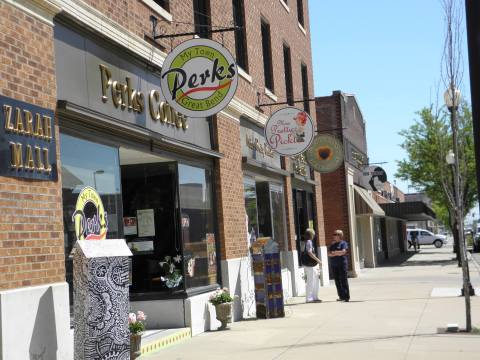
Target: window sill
[(271, 95), (285, 6), (302, 29), (244, 74), (159, 10)]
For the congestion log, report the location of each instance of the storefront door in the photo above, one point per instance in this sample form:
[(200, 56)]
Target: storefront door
[(304, 214)]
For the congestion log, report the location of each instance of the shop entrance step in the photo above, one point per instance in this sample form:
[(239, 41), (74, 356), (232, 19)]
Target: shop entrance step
[(154, 340)]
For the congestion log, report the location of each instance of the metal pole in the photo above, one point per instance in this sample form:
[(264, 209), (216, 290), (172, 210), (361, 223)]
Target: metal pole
[(459, 213)]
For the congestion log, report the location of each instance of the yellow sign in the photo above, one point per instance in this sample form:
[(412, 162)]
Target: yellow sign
[(199, 78), (90, 218)]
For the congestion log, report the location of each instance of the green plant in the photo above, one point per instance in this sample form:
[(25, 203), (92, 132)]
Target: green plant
[(221, 296), (173, 276), (136, 322)]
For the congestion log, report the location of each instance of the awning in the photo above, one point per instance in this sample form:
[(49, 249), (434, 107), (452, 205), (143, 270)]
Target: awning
[(410, 211), (365, 204)]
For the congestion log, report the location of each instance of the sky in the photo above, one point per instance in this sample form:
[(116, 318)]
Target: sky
[(388, 54)]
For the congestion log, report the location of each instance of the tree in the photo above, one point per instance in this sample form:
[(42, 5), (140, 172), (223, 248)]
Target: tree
[(427, 142), (429, 158)]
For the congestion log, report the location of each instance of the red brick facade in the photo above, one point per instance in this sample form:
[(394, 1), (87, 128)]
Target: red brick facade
[(31, 229), (334, 186)]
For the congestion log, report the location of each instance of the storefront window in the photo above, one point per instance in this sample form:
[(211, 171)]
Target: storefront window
[(264, 210), (85, 163), (304, 212), (250, 195), (197, 224), (278, 215), (150, 218)]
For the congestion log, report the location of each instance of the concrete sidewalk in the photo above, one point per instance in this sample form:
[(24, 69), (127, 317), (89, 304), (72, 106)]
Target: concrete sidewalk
[(391, 315)]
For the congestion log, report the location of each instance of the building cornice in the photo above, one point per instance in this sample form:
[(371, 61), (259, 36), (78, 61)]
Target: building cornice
[(43, 10), (100, 23)]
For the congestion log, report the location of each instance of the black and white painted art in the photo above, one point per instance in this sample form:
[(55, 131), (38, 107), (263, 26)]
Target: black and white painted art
[(101, 306)]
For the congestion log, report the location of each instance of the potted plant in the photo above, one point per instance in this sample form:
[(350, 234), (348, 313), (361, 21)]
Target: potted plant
[(137, 327), (173, 276), (222, 300)]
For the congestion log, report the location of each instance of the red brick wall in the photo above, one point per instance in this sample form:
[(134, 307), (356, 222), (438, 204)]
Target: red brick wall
[(31, 229), (229, 190), (334, 186), (134, 16), (289, 209), (335, 206), (319, 208)]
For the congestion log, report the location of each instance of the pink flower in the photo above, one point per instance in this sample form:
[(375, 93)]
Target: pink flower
[(132, 318), (141, 316)]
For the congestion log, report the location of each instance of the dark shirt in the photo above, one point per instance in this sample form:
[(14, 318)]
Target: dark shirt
[(339, 260)]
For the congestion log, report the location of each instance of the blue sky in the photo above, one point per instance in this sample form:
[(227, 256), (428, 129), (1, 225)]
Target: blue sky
[(388, 54)]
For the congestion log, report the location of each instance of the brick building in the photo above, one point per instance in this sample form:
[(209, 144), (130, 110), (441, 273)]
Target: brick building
[(80, 95), (359, 198), (347, 195)]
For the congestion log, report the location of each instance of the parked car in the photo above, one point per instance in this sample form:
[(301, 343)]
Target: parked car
[(476, 242), (425, 237)]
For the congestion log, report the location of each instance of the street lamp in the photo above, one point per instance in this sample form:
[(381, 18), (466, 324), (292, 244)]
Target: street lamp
[(99, 172), (452, 100), (450, 157)]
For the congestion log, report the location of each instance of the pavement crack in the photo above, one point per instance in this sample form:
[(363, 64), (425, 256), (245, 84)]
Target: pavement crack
[(413, 335)]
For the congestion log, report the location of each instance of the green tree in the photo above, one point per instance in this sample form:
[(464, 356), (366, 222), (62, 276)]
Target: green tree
[(427, 142)]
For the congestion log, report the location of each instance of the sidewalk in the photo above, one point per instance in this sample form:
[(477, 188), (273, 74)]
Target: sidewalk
[(391, 315)]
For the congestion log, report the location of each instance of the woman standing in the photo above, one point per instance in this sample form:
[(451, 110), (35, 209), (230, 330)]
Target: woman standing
[(311, 271)]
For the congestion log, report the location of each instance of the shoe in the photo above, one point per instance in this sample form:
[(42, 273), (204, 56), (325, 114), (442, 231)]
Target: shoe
[(339, 299), (346, 300), (317, 301)]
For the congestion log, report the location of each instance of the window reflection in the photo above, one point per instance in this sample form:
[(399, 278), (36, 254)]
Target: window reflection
[(278, 216), (250, 196), (200, 258), (79, 171)]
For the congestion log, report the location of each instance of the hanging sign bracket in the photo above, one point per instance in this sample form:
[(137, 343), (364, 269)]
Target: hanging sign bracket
[(235, 28), (281, 103), (154, 21)]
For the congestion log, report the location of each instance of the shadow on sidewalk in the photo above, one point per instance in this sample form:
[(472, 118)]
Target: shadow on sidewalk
[(405, 260), (358, 340)]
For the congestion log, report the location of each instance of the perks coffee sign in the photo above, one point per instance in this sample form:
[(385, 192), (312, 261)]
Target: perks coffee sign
[(199, 78), (289, 131), (27, 141)]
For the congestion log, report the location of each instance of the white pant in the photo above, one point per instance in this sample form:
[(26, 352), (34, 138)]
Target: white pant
[(312, 283)]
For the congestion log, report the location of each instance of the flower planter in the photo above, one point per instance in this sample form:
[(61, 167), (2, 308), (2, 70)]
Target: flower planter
[(224, 314), (135, 345)]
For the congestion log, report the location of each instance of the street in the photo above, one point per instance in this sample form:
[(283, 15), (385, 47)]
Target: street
[(392, 314)]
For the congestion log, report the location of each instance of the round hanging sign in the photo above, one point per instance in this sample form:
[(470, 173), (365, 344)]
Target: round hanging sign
[(326, 153), (90, 218), (199, 78), (289, 131), (376, 177)]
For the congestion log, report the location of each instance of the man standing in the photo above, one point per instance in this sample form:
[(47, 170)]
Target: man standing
[(337, 253)]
